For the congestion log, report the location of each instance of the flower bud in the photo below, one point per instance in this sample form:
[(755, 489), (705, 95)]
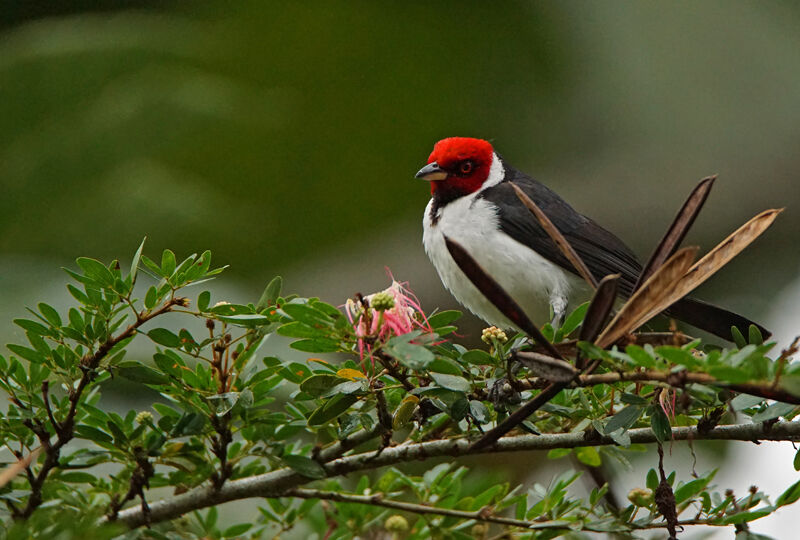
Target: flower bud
[(381, 301), (144, 417), (479, 530), (491, 334), (640, 496), (396, 524)]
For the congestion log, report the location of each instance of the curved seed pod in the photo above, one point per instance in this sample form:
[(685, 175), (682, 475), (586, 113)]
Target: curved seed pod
[(654, 296), (677, 231)]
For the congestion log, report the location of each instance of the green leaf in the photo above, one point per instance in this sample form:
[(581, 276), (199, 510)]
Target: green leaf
[(624, 419), (75, 320), (677, 356), (692, 488), (443, 318), (295, 372), (729, 374), (745, 401), (133, 371), (271, 293), (652, 480), (742, 517), (164, 337), (660, 424), (444, 365), (459, 409), (573, 320), (235, 531), (307, 314), (296, 329), (33, 327), (773, 411), (92, 434), (305, 466), (621, 437), (152, 266), (96, 270), (346, 387), (318, 345), (478, 357), (167, 262), (588, 455), (203, 299), (78, 294), (28, 354), (50, 314), (167, 364), (316, 385), (211, 517), (405, 411), (451, 382), (227, 309), (789, 496), (151, 297), (632, 399), (135, 262), (331, 409), (248, 320), (116, 431), (478, 411), (591, 351), (754, 335), (412, 356), (738, 338), (77, 477), (188, 424), (796, 461), (558, 453)]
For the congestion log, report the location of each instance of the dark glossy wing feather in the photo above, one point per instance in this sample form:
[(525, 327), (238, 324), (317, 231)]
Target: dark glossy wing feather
[(603, 253)]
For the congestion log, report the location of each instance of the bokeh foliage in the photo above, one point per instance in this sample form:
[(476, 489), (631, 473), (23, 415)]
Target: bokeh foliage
[(400, 390), (243, 118)]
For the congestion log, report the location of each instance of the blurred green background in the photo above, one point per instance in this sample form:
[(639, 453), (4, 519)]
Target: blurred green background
[(285, 136)]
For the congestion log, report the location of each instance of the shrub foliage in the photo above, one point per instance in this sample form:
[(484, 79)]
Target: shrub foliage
[(324, 445)]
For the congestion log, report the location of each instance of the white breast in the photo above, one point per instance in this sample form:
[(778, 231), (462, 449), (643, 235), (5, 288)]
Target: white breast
[(529, 278)]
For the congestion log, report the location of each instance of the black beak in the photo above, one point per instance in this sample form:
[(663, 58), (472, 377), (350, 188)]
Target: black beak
[(431, 172)]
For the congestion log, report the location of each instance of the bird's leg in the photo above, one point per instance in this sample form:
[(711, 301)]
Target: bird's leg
[(558, 302), (506, 389)]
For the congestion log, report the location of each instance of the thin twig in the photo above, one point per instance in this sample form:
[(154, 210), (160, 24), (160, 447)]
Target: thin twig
[(483, 514)]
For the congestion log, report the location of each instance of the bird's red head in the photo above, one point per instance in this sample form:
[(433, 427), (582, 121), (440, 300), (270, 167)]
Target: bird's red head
[(457, 166)]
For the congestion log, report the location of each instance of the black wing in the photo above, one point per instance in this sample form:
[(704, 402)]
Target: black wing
[(602, 252)]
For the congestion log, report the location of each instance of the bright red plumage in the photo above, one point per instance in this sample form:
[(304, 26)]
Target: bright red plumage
[(450, 153)]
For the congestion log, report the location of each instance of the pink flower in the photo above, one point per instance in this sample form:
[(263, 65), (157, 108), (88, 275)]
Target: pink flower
[(380, 316), (667, 401)]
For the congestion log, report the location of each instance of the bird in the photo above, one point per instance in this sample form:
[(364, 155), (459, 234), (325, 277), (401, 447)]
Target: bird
[(474, 204)]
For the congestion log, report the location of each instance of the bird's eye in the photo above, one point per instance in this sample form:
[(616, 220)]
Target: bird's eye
[(465, 167)]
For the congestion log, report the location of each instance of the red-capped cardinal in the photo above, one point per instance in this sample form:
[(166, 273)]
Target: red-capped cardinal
[(474, 204)]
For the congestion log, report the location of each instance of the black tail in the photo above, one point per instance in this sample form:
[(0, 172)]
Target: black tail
[(711, 318)]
